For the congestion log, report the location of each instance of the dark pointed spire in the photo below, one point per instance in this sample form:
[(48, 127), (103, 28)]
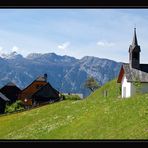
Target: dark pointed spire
[(134, 53), (135, 42)]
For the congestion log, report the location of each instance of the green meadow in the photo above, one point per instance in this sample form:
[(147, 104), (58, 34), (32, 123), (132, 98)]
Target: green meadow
[(96, 117)]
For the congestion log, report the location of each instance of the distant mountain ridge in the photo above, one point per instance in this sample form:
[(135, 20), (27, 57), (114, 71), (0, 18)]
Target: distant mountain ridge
[(65, 73)]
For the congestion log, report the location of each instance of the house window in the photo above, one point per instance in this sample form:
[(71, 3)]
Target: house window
[(124, 92)]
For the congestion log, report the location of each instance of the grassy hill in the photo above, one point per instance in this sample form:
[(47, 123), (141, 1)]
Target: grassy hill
[(96, 117)]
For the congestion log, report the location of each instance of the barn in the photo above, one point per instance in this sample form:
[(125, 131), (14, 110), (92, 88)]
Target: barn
[(3, 102), (11, 91), (133, 72)]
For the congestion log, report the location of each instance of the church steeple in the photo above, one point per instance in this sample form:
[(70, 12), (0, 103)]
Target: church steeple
[(134, 53), (135, 42)]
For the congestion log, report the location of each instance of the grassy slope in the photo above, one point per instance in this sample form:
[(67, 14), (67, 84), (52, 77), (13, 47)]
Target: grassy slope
[(96, 117)]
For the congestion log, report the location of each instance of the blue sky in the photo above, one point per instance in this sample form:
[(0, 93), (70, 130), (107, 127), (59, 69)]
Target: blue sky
[(103, 33)]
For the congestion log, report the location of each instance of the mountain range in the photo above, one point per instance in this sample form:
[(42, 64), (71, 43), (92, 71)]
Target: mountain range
[(66, 74)]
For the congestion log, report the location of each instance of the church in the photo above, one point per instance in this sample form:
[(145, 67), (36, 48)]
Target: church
[(133, 72)]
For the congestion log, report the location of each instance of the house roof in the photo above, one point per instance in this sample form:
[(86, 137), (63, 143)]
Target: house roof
[(133, 74), (10, 90), (40, 78), (10, 84), (45, 90), (4, 97), (7, 87)]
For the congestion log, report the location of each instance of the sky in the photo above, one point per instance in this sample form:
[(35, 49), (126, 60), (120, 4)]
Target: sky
[(103, 33)]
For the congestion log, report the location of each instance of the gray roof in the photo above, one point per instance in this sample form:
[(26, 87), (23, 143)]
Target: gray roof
[(134, 45), (10, 84), (40, 78), (133, 74), (135, 42), (4, 97)]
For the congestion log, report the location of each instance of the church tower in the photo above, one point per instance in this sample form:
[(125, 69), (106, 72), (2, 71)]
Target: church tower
[(134, 53)]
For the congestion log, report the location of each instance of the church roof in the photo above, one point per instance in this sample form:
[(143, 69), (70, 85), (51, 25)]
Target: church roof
[(134, 43), (133, 74)]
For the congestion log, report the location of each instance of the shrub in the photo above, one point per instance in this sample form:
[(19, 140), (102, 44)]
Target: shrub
[(16, 106), (71, 97)]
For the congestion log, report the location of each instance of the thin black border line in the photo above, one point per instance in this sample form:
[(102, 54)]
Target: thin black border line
[(73, 3), (74, 7), (75, 140)]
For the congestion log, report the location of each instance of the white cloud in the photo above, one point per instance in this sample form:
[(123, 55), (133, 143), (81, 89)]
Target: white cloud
[(15, 48), (64, 46), (1, 49), (105, 44)]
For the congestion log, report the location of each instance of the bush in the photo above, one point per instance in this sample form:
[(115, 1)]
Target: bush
[(16, 106), (71, 97)]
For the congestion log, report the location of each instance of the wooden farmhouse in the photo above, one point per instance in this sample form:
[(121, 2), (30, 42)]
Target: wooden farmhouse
[(133, 73), (38, 92), (3, 101), (27, 92), (11, 91), (45, 94)]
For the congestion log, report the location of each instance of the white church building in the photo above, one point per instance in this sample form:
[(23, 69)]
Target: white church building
[(133, 72)]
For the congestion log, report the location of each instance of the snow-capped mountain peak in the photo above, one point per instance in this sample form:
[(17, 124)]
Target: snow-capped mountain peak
[(11, 55)]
